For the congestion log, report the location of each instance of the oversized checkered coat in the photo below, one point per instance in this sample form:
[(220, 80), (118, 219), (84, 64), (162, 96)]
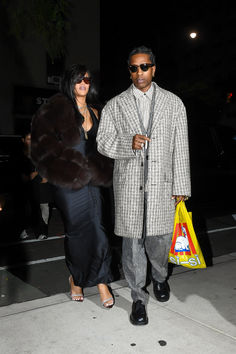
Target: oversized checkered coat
[(168, 162)]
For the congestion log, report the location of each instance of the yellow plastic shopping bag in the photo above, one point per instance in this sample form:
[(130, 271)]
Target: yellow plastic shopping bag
[(185, 249)]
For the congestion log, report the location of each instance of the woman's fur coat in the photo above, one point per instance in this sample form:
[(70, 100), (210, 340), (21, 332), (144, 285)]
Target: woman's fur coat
[(56, 128)]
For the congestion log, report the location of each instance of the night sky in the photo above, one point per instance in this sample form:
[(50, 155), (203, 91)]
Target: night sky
[(207, 62), (202, 72)]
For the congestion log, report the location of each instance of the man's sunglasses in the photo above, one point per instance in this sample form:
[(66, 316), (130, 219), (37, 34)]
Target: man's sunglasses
[(86, 79), (143, 67)]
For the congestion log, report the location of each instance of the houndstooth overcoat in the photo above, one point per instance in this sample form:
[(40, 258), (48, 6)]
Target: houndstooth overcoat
[(168, 162)]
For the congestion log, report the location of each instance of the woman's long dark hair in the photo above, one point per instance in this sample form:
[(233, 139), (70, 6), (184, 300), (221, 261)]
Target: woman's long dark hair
[(71, 77)]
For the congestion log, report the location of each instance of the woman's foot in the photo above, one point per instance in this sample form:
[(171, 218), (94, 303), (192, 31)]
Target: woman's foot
[(105, 296), (76, 292)]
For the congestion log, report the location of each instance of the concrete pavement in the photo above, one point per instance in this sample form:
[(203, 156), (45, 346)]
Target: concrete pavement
[(200, 317)]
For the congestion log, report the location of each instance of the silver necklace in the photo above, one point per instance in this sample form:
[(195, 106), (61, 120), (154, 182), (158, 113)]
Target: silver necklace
[(83, 111)]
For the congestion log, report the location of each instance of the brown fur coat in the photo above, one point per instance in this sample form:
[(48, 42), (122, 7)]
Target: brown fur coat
[(55, 131)]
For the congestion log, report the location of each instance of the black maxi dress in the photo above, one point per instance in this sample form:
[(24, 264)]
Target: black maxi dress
[(87, 251)]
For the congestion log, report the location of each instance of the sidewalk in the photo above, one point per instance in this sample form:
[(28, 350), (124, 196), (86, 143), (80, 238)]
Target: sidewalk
[(200, 317)]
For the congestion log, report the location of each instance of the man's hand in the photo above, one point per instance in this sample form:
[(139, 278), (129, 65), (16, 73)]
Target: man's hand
[(139, 141), (179, 198)]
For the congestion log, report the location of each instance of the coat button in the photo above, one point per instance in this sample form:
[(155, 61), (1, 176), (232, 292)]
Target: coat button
[(147, 157), (140, 187), (142, 163)]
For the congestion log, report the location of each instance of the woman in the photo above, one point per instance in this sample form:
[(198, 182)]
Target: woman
[(64, 150)]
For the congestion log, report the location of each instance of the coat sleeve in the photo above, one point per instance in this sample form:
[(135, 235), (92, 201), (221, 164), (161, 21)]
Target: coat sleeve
[(112, 142), (51, 151), (181, 164)]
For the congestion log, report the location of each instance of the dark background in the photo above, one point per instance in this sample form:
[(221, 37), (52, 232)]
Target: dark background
[(200, 71), (203, 68)]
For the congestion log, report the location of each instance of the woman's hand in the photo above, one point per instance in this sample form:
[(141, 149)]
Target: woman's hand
[(33, 175), (44, 180)]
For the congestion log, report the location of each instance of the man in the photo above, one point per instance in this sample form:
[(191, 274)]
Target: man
[(144, 129), (35, 193)]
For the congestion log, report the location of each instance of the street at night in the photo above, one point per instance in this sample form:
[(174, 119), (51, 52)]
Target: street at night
[(195, 59)]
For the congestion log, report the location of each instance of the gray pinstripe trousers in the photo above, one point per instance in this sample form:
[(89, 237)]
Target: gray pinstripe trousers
[(134, 262)]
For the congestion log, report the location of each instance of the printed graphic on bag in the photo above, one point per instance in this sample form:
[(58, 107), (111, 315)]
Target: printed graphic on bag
[(182, 245), (182, 241), (185, 249)]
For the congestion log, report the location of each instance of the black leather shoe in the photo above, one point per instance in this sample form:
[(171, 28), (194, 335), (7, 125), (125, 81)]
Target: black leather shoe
[(161, 291), (138, 316)]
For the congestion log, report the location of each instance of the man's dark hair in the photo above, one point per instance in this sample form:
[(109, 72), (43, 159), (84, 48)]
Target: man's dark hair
[(142, 50)]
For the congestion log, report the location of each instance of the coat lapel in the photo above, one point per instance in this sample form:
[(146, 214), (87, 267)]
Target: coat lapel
[(127, 102), (159, 108)]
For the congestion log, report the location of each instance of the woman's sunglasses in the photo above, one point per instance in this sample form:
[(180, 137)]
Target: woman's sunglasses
[(143, 67), (87, 80)]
